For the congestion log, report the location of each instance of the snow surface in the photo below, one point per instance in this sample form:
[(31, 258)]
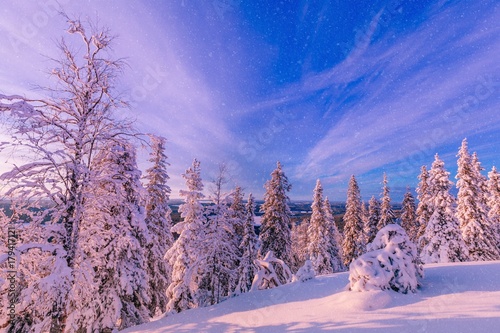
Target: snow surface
[(455, 297)]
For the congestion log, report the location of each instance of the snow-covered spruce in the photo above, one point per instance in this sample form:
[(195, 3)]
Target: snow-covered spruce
[(442, 237), (494, 201), (334, 238), (276, 221), (353, 244), (185, 250), (318, 235), (370, 225), (424, 208), (271, 272), (159, 223), (390, 263), (248, 249), (472, 209), (306, 272), (386, 213), (299, 244), (409, 220)]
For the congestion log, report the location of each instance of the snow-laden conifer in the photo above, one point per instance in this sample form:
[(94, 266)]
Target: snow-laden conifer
[(217, 261), (391, 262), (271, 272), (424, 207), (276, 221), (334, 238), (111, 273), (237, 212), (299, 244), (443, 239), (318, 234), (386, 213), (370, 226), (185, 250), (409, 220), (353, 243), (248, 249), (472, 209), (494, 201), (159, 223)]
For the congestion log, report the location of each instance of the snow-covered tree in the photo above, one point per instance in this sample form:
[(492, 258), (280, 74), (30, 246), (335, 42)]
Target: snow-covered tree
[(494, 201), (334, 238), (443, 239), (472, 209), (62, 133), (424, 208), (386, 213), (370, 226), (159, 223), (353, 245), (318, 234), (391, 262), (409, 220), (248, 248), (217, 263), (185, 250), (237, 212), (111, 273), (304, 273), (276, 221), (299, 244), (271, 272)]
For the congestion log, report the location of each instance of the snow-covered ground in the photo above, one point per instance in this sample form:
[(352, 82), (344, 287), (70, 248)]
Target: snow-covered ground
[(455, 298)]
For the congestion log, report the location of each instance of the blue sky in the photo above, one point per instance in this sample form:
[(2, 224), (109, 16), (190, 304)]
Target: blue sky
[(329, 88)]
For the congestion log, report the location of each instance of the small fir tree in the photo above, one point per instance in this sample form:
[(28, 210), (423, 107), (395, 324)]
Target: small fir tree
[(353, 245), (409, 219), (370, 226), (299, 244)]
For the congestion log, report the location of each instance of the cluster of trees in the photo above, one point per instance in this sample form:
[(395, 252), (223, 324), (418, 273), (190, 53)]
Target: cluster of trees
[(96, 247)]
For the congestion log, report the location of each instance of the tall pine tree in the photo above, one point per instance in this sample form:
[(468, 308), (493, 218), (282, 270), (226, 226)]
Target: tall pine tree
[(370, 226), (386, 213), (443, 240), (159, 223), (472, 209), (494, 201), (276, 221), (334, 238), (425, 206), (318, 235), (185, 251), (353, 245)]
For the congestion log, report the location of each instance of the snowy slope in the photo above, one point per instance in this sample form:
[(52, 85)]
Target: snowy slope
[(455, 298)]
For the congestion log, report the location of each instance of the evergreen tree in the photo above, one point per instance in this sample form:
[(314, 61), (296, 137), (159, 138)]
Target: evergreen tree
[(185, 250), (353, 245), (318, 235), (159, 223), (299, 244), (217, 263), (334, 238), (275, 226), (238, 213), (370, 226), (248, 248), (494, 201), (472, 209), (386, 214), (424, 208), (409, 219), (443, 240), (111, 272)]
